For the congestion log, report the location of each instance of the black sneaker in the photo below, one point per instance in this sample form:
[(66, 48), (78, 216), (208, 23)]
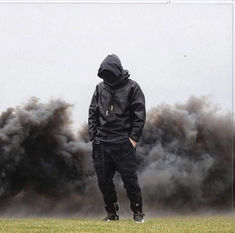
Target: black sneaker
[(138, 217), (111, 217)]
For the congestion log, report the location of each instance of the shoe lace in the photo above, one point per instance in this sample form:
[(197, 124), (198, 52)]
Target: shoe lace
[(110, 215), (139, 215)]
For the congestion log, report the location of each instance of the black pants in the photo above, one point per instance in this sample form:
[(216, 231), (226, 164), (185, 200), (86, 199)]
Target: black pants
[(110, 157)]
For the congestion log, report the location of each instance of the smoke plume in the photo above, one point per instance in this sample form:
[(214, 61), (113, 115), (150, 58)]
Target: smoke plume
[(184, 161)]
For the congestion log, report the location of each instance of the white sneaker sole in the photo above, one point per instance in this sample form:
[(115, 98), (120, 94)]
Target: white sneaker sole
[(142, 221)]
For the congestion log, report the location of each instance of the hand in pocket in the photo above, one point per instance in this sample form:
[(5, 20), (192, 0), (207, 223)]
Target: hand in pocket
[(133, 142)]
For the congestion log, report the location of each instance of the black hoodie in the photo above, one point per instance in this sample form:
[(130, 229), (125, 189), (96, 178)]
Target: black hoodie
[(117, 109)]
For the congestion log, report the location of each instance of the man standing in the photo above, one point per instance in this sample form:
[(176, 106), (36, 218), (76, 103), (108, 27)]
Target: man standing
[(116, 119)]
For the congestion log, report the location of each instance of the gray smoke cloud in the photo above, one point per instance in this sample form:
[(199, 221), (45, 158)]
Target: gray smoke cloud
[(184, 161), (185, 157)]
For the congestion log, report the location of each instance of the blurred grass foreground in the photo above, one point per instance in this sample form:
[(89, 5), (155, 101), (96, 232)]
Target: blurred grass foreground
[(161, 225)]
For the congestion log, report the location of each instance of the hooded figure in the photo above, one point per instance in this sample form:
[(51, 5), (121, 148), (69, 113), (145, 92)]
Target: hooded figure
[(112, 72), (117, 109), (116, 120)]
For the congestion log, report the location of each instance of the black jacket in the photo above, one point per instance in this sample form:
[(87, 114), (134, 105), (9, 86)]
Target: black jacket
[(117, 110)]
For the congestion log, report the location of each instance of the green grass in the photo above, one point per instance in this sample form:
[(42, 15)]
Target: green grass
[(161, 225)]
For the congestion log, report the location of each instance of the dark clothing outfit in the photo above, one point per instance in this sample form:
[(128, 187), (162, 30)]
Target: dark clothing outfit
[(109, 157), (116, 112)]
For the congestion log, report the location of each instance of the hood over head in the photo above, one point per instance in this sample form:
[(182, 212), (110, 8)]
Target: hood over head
[(112, 72)]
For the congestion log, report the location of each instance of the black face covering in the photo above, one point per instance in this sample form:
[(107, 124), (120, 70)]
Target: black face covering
[(108, 76)]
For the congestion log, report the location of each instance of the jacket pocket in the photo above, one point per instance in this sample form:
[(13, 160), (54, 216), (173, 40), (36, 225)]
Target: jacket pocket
[(96, 152), (93, 150)]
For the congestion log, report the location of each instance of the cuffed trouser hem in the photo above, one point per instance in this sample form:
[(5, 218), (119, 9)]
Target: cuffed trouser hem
[(136, 207), (112, 208)]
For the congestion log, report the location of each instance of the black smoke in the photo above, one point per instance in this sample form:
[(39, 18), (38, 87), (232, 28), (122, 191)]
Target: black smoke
[(184, 161), (185, 157)]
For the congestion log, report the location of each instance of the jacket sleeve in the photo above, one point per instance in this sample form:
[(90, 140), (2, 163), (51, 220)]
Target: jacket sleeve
[(138, 113), (93, 117)]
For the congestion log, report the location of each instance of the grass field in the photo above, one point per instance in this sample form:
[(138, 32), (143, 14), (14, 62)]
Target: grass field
[(161, 225)]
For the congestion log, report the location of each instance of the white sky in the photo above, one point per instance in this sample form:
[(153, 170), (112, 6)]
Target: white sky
[(172, 51)]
